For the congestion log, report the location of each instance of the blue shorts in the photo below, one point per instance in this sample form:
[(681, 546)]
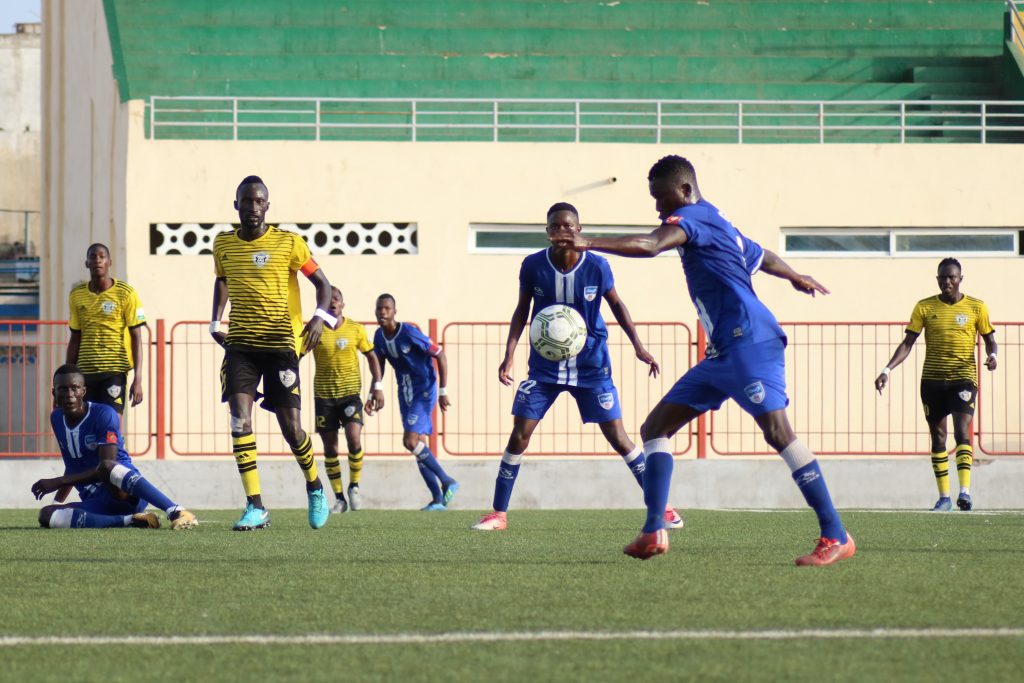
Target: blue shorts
[(102, 501), (753, 375), (416, 414), (596, 404)]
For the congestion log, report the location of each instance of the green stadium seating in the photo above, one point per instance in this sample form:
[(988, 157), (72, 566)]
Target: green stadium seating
[(554, 49)]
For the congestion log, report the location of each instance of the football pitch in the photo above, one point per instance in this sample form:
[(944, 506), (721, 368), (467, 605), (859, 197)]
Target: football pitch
[(409, 596)]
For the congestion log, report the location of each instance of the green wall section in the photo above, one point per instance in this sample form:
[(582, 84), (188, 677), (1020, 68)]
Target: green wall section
[(575, 49)]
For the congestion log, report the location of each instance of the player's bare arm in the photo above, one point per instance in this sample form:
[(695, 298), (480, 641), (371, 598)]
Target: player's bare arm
[(442, 381), (515, 330), (662, 239), (135, 392), (774, 265), (991, 350), (44, 486), (315, 327), (625, 320), (220, 301), (899, 355), (376, 400), (74, 344)]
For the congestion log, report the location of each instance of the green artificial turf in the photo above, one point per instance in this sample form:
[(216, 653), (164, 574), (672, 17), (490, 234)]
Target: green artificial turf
[(386, 577)]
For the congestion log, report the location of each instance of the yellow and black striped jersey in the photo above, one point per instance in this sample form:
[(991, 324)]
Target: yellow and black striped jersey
[(337, 359), (104, 320), (950, 333), (266, 312)]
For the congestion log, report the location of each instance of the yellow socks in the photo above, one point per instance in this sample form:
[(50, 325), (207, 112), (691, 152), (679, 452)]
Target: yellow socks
[(964, 458), (333, 466), (244, 446), (355, 466), (940, 466), (304, 456)]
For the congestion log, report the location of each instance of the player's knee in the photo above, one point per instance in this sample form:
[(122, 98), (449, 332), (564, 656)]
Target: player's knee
[(410, 441), (241, 425), (45, 513), (777, 435)]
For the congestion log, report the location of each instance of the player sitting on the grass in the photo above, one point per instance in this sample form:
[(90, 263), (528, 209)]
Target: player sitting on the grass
[(336, 387), (745, 358), (559, 275), (412, 355), (113, 492)]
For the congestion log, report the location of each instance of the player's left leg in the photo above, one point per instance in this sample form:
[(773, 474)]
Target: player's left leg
[(934, 399), (131, 481), (964, 458), (354, 440), (288, 418), (417, 417), (101, 511)]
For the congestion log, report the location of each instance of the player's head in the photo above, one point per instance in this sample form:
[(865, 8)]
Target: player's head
[(337, 302), (673, 183), (69, 389), (385, 310), (950, 275), (562, 217), (97, 260), (252, 199)]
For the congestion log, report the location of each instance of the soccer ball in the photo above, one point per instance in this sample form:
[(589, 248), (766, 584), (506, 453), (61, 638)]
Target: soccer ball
[(558, 332)]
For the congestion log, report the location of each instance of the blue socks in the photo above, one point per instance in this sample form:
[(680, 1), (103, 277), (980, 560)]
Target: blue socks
[(637, 463), (508, 470), (80, 519), (812, 484), (657, 479), (426, 458), (134, 484), (431, 480)]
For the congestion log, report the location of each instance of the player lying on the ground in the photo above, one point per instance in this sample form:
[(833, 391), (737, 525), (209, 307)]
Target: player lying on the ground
[(745, 358), (113, 492), (560, 275)]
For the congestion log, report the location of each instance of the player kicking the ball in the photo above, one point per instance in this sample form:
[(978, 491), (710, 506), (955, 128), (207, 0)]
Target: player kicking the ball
[(744, 360), (560, 275)]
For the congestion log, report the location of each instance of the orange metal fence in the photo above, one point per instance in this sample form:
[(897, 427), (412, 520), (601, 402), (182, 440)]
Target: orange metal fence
[(830, 370), (479, 420)]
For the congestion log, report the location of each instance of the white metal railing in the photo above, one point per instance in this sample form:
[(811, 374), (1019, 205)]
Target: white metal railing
[(1016, 23), (583, 120)]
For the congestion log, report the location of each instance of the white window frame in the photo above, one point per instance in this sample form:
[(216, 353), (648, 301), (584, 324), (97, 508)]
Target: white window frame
[(535, 229), (893, 234)]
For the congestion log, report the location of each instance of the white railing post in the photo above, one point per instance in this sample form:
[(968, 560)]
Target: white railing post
[(414, 121), (577, 120), (739, 122), (494, 122), (152, 119), (234, 118), (317, 121), (821, 123), (658, 132), (903, 122), (984, 123)]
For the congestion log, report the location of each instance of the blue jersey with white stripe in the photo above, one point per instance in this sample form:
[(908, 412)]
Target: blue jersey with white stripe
[(582, 287), (411, 353), (79, 446), (718, 262)]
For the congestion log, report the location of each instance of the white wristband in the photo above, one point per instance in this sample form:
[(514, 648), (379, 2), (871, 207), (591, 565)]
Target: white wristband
[(378, 386), (993, 354), (214, 326), (442, 391), (325, 316), (885, 371)]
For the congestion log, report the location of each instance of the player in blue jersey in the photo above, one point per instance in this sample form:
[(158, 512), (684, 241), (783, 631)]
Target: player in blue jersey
[(745, 354), (412, 354), (560, 275), (113, 492)]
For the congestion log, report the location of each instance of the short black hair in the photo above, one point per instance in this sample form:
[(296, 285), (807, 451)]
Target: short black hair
[(949, 261), (673, 166), (249, 180), (385, 295), (67, 369), (563, 206), (99, 245)]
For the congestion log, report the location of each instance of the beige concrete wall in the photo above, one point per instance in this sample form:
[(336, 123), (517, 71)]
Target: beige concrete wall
[(19, 135)]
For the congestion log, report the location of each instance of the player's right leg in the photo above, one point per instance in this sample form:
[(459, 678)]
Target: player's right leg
[(100, 511), (353, 438), (933, 399), (332, 464), (240, 376), (131, 481)]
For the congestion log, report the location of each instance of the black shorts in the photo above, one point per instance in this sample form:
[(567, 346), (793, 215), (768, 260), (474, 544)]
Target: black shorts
[(242, 370), (940, 398), (108, 388), (332, 413)]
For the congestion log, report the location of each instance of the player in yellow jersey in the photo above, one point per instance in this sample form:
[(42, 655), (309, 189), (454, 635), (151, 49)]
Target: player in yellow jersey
[(951, 322), (336, 394), (255, 267), (106, 333)]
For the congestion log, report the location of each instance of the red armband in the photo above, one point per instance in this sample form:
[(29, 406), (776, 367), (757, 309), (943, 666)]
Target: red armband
[(309, 267)]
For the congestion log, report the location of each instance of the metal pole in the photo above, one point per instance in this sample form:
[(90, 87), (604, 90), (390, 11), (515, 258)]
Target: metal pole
[(739, 124), (658, 133)]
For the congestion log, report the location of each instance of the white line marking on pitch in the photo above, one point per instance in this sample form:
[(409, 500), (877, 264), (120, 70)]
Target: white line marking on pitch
[(513, 636)]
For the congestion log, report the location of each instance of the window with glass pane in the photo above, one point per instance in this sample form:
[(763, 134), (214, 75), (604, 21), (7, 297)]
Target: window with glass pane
[(956, 242), (511, 240), (838, 243)]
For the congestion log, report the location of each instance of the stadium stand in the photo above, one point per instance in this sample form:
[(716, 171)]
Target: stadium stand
[(913, 50)]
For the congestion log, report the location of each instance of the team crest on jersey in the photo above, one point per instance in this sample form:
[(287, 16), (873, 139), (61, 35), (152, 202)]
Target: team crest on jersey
[(966, 395), (261, 258), (342, 343), (114, 391), (412, 419), (111, 437), (961, 320), (538, 291), (349, 411), (406, 348), (108, 307), (287, 377), (90, 441), (606, 400), (590, 293), (755, 392), (140, 315), (673, 220)]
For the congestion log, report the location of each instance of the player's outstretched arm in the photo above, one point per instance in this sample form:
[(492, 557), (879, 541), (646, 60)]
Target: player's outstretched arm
[(376, 400), (220, 301), (636, 246), (898, 356), (774, 265), (515, 330), (315, 326), (621, 313)]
